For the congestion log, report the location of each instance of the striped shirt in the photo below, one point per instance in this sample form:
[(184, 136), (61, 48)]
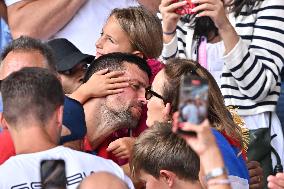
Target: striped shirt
[(250, 77)]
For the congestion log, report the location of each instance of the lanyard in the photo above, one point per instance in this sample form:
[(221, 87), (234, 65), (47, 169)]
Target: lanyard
[(202, 54)]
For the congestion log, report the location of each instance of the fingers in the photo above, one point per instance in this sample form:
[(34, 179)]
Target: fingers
[(102, 72), (276, 182), (122, 155), (174, 6), (114, 91), (165, 3), (255, 186), (113, 146), (206, 1), (253, 164), (119, 151), (256, 182), (205, 6), (256, 174), (113, 74), (117, 86), (186, 126), (117, 80), (195, 128)]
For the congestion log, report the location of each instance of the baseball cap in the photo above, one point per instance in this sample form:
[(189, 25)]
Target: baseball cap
[(67, 55), (74, 120)]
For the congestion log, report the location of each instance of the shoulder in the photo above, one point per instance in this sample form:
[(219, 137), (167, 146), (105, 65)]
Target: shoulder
[(90, 159), (271, 3), (270, 6)]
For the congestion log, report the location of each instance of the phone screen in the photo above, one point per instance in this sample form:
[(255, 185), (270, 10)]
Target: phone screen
[(53, 175), (193, 99)]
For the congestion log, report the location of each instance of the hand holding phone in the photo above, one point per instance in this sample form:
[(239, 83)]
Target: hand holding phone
[(186, 9), (193, 100), (53, 175)]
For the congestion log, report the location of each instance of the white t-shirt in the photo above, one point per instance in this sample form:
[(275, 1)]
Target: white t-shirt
[(85, 27), (23, 171)]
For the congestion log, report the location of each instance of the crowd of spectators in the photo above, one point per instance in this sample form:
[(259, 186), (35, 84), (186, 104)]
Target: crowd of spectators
[(96, 83)]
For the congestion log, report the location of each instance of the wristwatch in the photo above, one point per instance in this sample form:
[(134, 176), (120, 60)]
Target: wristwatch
[(215, 173)]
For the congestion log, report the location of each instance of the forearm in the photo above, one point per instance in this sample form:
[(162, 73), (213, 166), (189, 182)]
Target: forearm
[(206, 159), (42, 18), (229, 37), (208, 165), (79, 94)]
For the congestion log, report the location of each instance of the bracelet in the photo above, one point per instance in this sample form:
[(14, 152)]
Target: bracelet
[(170, 33), (215, 173), (218, 182)]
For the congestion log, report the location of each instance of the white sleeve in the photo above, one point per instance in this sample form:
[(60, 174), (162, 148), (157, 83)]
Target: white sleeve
[(10, 2)]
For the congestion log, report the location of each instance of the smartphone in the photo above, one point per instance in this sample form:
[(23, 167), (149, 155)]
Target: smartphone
[(186, 9), (53, 174), (193, 100)]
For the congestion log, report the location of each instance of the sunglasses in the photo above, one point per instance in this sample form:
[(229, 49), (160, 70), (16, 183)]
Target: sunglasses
[(149, 93)]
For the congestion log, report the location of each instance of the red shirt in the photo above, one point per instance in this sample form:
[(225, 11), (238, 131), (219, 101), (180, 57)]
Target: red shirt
[(7, 148)]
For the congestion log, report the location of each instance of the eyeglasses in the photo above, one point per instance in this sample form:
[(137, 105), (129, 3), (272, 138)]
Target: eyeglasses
[(149, 93)]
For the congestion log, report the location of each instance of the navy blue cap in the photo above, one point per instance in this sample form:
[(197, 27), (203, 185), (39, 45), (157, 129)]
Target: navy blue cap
[(67, 55), (74, 120)]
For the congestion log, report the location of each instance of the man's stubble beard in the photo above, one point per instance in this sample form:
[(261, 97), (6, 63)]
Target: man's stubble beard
[(119, 119)]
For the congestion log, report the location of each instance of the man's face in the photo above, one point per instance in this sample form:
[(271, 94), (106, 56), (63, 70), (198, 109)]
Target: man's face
[(126, 107), (72, 80), (16, 60)]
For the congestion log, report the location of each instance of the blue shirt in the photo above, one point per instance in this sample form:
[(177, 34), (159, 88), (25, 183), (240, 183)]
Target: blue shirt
[(235, 164), (5, 35)]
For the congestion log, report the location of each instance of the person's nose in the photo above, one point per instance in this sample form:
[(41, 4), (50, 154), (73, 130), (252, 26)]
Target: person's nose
[(141, 96), (99, 43)]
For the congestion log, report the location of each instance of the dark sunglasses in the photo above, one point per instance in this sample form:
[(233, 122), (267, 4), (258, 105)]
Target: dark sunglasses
[(149, 93)]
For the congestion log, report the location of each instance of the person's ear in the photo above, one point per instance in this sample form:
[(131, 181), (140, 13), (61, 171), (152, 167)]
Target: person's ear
[(59, 116), (168, 177), (138, 53), (3, 121), (166, 112)]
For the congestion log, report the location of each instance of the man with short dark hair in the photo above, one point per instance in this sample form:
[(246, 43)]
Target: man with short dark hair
[(114, 116), (25, 52), (29, 52), (36, 131), (162, 159)]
